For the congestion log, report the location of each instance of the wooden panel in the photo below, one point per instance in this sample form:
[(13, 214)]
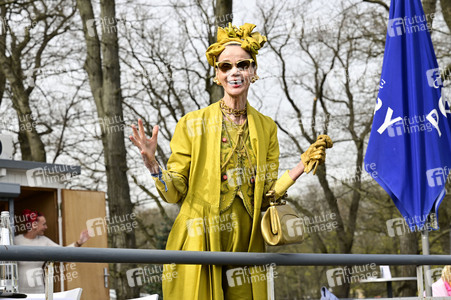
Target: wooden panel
[(77, 208)]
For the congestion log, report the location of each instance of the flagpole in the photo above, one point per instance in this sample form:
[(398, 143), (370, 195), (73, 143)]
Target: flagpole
[(427, 273)]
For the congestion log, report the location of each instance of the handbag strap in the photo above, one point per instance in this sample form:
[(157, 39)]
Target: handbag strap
[(271, 195)]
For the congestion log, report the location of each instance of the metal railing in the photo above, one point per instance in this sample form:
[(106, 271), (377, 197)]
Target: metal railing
[(115, 255)]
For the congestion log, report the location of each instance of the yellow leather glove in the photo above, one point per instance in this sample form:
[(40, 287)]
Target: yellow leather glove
[(316, 153)]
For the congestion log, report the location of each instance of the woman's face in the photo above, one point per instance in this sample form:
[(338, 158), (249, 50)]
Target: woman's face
[(235, 81)]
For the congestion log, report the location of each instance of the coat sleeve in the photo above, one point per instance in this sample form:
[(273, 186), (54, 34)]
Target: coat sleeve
[(172, 184), (281, 185)]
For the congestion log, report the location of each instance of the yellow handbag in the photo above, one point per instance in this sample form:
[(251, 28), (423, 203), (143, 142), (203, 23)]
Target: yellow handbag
[(280, 224)]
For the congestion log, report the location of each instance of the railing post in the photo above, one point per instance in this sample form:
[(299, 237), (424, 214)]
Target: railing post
[(270, 282), (48, 278), (420, 282), (427, 268)]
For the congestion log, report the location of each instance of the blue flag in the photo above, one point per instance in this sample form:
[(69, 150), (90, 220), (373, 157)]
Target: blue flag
[(409, 150)]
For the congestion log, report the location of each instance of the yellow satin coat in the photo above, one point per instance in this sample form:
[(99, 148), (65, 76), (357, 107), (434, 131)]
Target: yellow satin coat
[(193, 176)]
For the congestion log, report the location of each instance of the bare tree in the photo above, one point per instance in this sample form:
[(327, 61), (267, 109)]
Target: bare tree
[(102, 67), (31, 27)]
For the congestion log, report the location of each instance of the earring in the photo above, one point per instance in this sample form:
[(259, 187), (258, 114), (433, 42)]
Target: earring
[(216, 80), (254, 78)]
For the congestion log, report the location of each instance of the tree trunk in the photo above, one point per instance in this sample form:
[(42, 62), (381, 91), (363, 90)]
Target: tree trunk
[(223, 15), (104, 79), (31, 145), (2, 54), (446, 10), (429, 10), (223, 12)]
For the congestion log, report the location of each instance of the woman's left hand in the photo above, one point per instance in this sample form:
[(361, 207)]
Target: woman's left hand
[(316, 153)]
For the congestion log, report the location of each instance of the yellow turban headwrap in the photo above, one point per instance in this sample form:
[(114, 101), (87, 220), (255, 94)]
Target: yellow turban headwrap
[(251, 42)]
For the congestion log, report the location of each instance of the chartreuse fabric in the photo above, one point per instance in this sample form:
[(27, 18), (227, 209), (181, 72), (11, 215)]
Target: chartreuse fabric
[(250, 41), (194, 178)]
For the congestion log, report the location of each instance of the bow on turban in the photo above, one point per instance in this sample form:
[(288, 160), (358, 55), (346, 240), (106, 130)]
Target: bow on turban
[(250, 41)]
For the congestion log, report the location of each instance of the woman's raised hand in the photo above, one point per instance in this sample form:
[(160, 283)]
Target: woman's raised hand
[(147, 147)]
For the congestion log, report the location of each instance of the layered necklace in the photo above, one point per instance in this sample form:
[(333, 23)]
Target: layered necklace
[(231, 111)]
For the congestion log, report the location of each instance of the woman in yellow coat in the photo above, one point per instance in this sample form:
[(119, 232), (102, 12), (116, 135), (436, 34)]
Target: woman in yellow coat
[(224, 160)]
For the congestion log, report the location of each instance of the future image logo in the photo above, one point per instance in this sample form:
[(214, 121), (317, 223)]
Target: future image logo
[(434, 78), (314, 224), (46, 72), (339, 276), (29, 77), (96, 226), (395, 27), (433, 275), (195, 127), (396, 129), (199, 126), (142, 276), (235, 177), (111, 225), (295, 227), (49, 175), (410, 125), (108, 25), (397, 227), (236, 277), (35, 277), (90, 27), (201, 226), (437, 176), (135, 277), (67, 272), (335, 277), (248, 275), (408, 25), (401, 226), (195, 227)]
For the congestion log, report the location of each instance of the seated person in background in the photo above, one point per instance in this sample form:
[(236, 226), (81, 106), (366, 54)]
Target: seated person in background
[(30, 270), (442, 288)]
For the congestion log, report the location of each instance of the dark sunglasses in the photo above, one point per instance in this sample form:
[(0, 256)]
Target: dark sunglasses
[(241, 65)]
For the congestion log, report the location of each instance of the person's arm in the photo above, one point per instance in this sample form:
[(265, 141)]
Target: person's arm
[(272, 182), (84, 237), (315, 155), (296, 171), (171, 184)]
